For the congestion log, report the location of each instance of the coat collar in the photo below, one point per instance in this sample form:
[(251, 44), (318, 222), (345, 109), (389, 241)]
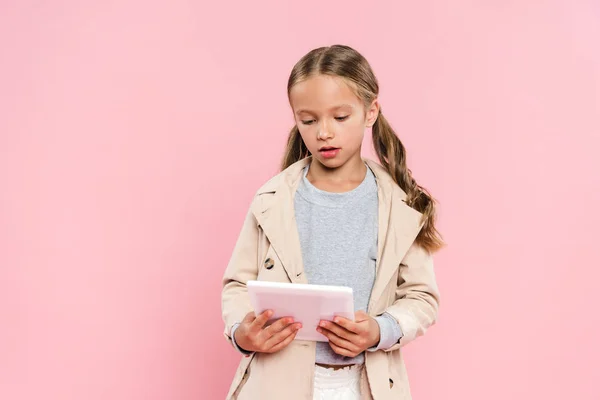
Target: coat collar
[(399, 224)]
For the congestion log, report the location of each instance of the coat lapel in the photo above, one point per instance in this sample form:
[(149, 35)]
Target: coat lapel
[(399, 225), (275, 214)]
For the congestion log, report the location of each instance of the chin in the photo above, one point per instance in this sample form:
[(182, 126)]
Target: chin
[(331, 163)]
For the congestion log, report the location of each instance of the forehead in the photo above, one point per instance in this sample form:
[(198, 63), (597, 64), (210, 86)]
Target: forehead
[(322, 93)]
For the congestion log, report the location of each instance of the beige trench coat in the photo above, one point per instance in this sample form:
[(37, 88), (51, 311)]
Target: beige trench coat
[(405, 287)]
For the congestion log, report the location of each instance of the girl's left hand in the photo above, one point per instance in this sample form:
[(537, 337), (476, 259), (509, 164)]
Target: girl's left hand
[(348, 338)]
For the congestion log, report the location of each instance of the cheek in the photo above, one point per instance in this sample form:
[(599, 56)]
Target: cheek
[(353, 131), (308, 136)]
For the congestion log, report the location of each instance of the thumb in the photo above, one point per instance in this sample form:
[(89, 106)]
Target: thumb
[(249, 317), (360, 316)]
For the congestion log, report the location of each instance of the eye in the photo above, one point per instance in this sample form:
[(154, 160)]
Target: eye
[(308, 122), (342, 118)]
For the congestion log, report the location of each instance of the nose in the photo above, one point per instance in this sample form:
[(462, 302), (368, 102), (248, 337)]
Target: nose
[(324, 131)]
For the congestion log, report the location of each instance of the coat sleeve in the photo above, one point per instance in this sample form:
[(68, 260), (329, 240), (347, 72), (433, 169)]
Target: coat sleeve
[(242, 267), (417, 296)]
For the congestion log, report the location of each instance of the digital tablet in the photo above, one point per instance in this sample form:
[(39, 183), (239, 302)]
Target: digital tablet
[(308, 304)]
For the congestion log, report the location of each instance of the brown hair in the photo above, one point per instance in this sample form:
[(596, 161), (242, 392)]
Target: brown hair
[(345, 62)]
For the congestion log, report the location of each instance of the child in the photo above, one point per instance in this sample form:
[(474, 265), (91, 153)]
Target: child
[(331, 217)]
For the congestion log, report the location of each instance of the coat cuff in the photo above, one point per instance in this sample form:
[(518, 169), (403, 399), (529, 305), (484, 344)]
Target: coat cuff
[(238, 348), (389, 332)]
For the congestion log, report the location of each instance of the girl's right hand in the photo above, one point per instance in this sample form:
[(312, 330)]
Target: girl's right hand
[(252, 334)]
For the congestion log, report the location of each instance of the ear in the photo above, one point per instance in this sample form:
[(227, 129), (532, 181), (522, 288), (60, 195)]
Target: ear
[(372, 114)]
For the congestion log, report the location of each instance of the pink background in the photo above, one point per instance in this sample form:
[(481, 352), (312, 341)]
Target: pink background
[(133, 135)]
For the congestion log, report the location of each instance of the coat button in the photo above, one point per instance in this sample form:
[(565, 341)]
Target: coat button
[(269, 263), (391, 383)]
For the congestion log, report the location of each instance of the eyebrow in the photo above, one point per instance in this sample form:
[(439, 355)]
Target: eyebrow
[(331, 109)]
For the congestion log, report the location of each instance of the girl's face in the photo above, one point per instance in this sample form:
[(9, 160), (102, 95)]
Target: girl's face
[(331, 119)]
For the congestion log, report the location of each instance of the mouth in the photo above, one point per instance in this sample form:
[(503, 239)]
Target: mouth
[(329, 151)]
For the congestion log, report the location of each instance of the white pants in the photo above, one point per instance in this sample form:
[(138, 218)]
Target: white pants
[(341, 384)]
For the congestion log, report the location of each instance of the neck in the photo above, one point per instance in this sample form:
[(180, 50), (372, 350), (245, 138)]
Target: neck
[(346, 176)]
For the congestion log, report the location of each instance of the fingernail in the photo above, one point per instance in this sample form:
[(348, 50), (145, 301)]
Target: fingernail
[(322, 324)]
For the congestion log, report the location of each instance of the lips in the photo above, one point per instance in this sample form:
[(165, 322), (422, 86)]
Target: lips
[(329, 151), (328, 148)]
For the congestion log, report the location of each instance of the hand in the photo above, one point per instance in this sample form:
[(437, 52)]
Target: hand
[(349, 338), (253, 335)]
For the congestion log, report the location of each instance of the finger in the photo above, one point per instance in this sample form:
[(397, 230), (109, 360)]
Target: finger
[(282, 335), (345, 323), (269, 331), (340, 342), (337, 329), (262, 319), (342, 351), (280, 325), (284, 343)]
